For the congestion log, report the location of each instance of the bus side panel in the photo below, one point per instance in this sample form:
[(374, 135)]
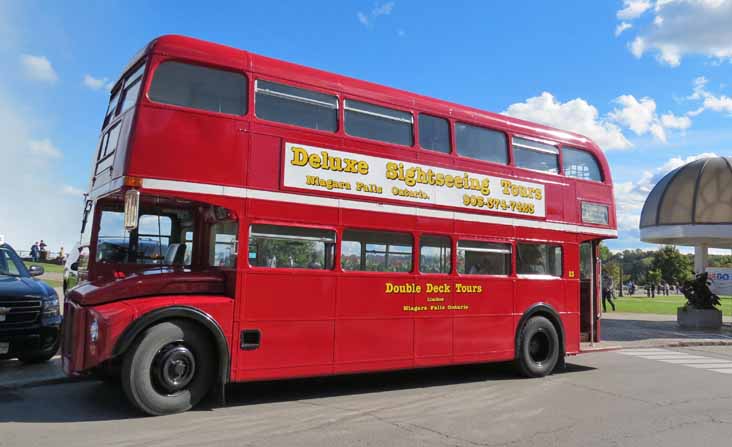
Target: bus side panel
[(171, 144), (571, 324), (293, 312), (373, 329), (433, 328), (485, 328)]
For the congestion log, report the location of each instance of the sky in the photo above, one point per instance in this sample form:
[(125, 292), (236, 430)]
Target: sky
[(648, 80)]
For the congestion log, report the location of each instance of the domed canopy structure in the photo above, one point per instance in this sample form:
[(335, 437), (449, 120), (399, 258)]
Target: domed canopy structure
[(691, 205)]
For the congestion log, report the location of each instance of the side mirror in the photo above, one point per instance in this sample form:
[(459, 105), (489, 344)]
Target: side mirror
[(74, 266), (35, 270)]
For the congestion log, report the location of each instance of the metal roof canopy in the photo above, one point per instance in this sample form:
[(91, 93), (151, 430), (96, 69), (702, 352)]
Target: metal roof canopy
[(691, 206)]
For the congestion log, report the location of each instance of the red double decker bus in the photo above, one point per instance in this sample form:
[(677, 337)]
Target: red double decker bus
[(253, 219)]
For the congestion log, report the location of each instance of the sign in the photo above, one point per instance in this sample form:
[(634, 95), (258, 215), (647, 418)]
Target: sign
[(721, 279), (339, 172)]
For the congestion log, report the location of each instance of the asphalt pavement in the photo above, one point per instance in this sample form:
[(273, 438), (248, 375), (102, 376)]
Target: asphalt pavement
[(634, 397)]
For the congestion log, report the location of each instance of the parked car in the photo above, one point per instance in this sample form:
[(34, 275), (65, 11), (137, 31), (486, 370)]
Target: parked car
[(30, 318)]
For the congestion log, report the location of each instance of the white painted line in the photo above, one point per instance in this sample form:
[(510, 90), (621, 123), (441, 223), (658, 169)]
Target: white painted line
[(698, 360), (723, 371), (669, 357), (646, 352), (712, 365)]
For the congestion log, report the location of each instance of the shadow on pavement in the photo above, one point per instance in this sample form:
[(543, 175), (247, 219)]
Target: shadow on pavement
[(92, 401), (316, 388)]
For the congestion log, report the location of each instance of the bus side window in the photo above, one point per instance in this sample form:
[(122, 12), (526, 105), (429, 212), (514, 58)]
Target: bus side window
[(296, 106), (376, 251), (483, 258), (223, 245), (580, 164), (534, 155), (539, 259), (481, 143), (378, 123), (435, 254), (279, 246)]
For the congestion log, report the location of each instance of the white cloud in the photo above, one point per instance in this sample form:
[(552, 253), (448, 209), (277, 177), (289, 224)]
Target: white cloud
[(44, 148), (671, 121), (576, 115), (96, 83), (384, 9), (716, 103), (38, 68), (633, 9), (630, 196), (683, 27), (37, 183), (637, 115), (622, 26), (641, 118)]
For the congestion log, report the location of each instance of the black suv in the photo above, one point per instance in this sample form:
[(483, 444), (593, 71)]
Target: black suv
[(30, 320)]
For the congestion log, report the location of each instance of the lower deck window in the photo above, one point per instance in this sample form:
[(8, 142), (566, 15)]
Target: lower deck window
[(278, 246), (539, 259), (435, 254), (376, 251), (483, 258)]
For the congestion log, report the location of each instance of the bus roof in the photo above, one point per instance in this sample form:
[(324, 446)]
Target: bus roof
[(217, 54)]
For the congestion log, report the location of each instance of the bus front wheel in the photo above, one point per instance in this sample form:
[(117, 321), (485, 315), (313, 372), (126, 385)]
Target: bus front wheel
[(539, 348), (169, 369)]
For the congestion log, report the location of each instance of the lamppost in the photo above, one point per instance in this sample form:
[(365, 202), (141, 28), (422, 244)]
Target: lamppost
[(621, 275)]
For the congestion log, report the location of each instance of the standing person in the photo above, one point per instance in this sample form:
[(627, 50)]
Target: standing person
[(34, 252), (44, 253), (607, 292)]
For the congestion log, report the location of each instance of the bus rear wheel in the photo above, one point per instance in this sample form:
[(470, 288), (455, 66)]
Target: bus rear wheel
[(538, 348), (169, 369)]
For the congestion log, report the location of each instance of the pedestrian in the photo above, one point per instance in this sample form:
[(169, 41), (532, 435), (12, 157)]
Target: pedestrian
[(607, 292), (42, 250), (34, 251)]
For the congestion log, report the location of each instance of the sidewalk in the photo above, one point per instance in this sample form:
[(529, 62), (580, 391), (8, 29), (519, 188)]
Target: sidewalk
[(626, 330), (15, 374)]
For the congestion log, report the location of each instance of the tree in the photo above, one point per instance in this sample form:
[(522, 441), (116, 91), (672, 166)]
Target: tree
[(675, 268)]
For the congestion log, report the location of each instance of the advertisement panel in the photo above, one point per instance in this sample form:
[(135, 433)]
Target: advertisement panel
[(721, 278), (315, 168)]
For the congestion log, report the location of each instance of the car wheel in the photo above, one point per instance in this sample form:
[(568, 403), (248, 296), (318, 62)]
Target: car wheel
[(169, 369), (538, 348)]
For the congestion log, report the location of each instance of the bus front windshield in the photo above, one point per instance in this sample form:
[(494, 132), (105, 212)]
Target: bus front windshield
[(170, 232)]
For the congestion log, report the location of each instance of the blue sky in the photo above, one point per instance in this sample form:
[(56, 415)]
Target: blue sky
[(649, 80)]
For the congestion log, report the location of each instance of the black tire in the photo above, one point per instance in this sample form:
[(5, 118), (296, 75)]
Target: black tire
[(158, 354), (539, 348)]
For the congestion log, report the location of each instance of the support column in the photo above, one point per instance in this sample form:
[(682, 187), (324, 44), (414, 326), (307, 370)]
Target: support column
[(700, 258)]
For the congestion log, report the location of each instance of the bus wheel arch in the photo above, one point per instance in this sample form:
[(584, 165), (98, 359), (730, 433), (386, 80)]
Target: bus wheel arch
[(547, 313), (196, 317)]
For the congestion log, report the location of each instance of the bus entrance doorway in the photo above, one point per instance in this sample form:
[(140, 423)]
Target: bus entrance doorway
[(589, 291)]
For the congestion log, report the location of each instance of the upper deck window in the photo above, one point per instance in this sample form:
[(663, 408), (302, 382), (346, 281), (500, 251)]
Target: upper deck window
[(434, 133), (481, 143), (534, 155), (580, 164), (131, 89), (378, 123), (296, 106), (202, 88)]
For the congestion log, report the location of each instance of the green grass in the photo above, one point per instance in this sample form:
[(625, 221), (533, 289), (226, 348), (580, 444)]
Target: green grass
[(666, 305), (51, 268)]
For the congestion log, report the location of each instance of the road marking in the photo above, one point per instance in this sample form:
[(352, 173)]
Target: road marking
[(723, 366)]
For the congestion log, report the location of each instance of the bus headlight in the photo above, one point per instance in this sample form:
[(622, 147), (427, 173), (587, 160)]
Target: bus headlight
[(93, 331)]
